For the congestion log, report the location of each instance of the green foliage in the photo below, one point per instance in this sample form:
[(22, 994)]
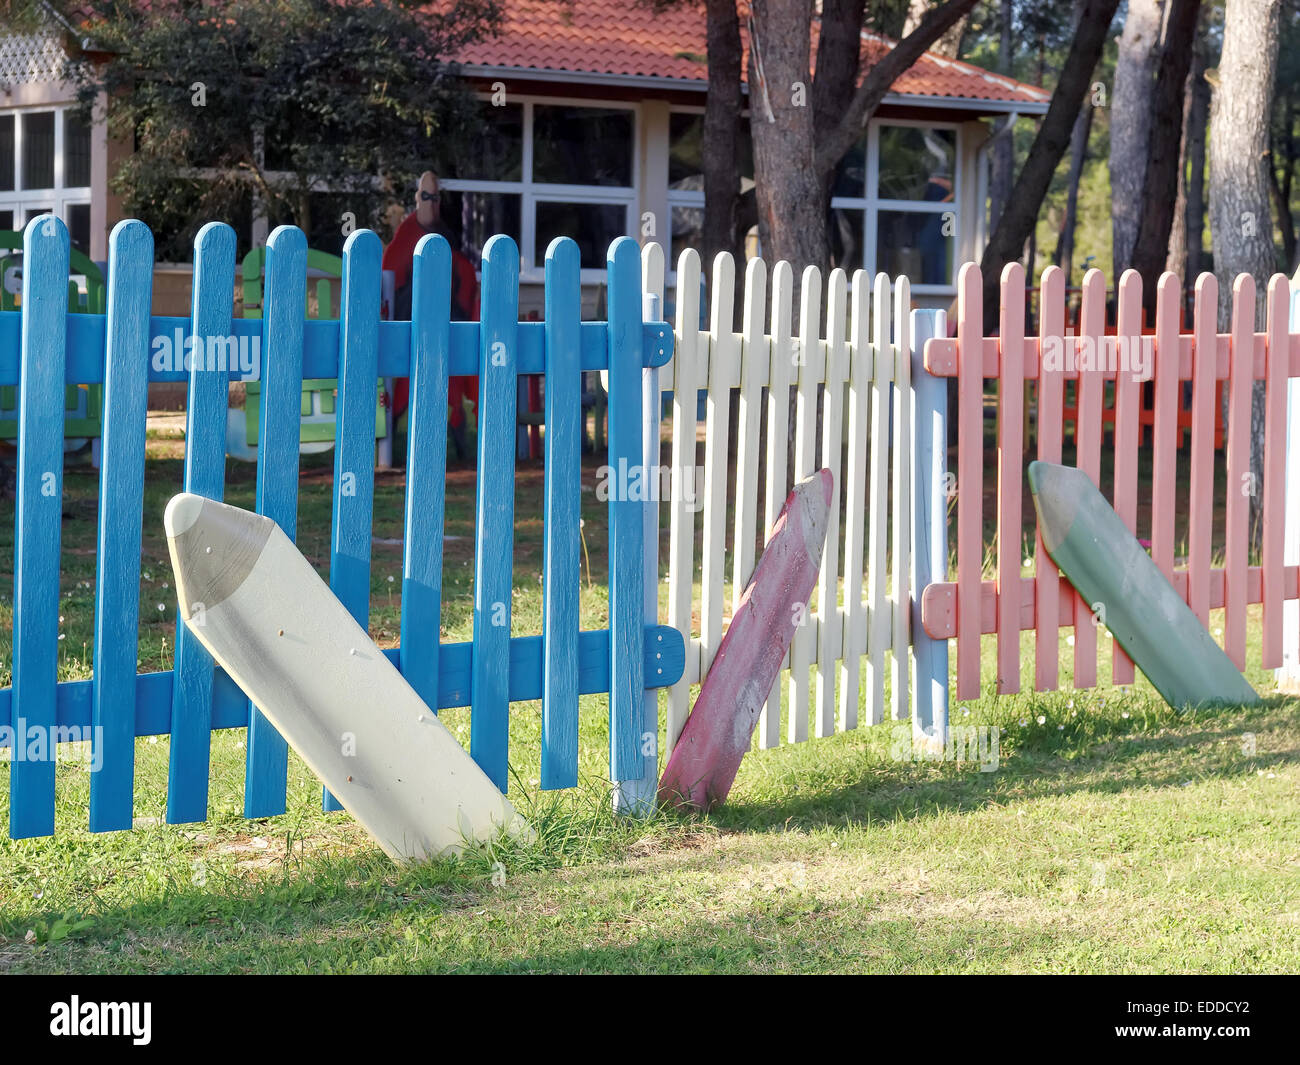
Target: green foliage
[(278, 103)]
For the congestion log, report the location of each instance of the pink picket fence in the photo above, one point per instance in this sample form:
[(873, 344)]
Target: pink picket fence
[(1106, 368)]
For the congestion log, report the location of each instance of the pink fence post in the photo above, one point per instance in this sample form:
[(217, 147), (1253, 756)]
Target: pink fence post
[(1165, 457), (1011, 400), (1128, 389), (1200, 515), (970, 485), (1276, 371), (1241, 367), (1087, 437), (1051, 402)]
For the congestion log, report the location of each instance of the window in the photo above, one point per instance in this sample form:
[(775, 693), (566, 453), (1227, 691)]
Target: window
[(38, 150), (45, 162), (541, 169), (686, 179), (894, 204), (76, 151), (7, 153)]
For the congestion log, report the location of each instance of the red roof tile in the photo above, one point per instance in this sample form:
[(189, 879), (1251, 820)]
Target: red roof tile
[(628, 37)]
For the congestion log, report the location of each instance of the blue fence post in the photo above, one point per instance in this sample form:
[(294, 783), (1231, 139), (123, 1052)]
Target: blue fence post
[(354, 448), (929, 532), (626, 513), (285, 280), (205, 475), (495, 510), (38, 516), (426, 467), (121, 499), (561, 608), (637, 798)]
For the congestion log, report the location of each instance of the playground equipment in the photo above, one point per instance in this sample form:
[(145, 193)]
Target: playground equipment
[(1128, 594), (318, 394), (705, 761), (83, 405), (627, 661), (274, 626)]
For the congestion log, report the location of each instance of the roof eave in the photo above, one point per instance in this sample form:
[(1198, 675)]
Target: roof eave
[(658, 81)]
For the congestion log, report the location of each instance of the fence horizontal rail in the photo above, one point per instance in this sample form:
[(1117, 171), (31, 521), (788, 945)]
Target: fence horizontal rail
[(320, 352)]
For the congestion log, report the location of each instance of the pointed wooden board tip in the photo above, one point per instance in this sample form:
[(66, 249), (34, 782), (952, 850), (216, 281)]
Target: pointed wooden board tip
[(1057, 492), (1128, 593)]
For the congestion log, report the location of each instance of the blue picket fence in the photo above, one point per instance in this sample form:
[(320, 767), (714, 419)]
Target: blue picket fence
[(43, 349)]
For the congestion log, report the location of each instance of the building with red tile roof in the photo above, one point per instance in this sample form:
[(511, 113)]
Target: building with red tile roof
[(594, 118)]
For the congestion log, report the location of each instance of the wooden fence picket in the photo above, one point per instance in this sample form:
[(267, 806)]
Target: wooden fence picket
[(267, 755), (1128, 329), (205, 474), (38, 516), (830, 643), (686, 373), (861, 370), (1011, 394), (121, 502)]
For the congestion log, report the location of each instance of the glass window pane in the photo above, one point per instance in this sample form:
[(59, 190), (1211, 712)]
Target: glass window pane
[(79, 226), (38, 150), (582, 146), (7, 220), (916, 163), (846, 231), (686, 152), (688, 231), (7, 159), (470, 218), (593, 225), (491, 151), (76, 152), (851, 174), (915, 243), (36, 212)]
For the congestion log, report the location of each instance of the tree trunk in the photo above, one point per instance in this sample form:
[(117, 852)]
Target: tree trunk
[(1130, 124), (1156, 218), (722, 133), (1198, 117), (1240, 221), (795, 151), (1064, 257), (1017, 222), (792, 197), (1003, 162)]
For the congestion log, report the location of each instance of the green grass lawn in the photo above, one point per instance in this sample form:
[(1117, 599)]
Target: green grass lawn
[(1114, 834)]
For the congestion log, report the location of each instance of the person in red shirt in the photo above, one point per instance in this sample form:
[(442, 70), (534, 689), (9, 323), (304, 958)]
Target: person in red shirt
[(427, 218)]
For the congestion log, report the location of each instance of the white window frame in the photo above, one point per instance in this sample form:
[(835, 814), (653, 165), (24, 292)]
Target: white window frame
[(681, 198), (58, 199), (871, 203), (532, 192)]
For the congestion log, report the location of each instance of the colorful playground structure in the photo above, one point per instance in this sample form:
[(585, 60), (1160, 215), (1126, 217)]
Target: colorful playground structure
[(870, 408)]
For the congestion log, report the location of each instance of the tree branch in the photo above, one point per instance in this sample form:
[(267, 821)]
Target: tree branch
[(876, 84)]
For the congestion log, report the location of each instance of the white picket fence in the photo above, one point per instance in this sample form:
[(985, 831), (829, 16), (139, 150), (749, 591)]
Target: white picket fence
[(842, 382)]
